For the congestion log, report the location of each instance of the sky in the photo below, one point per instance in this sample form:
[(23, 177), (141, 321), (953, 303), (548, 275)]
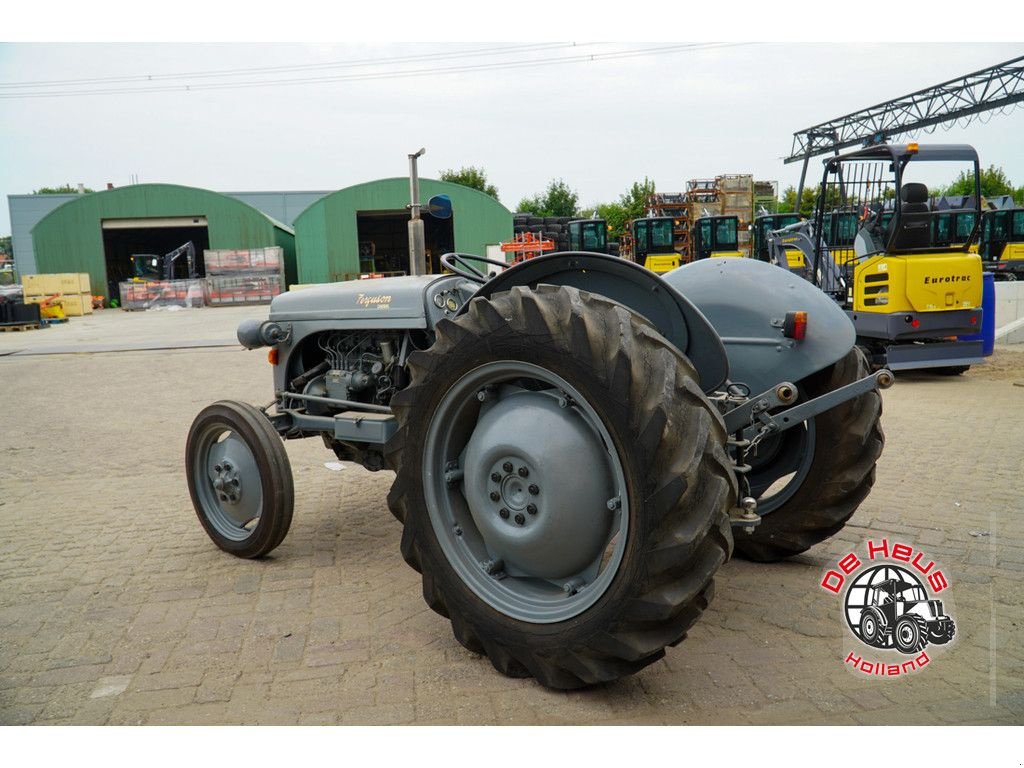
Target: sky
[(596, 120)]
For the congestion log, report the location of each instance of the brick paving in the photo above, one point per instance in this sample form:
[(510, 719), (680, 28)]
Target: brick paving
[(115, 608)]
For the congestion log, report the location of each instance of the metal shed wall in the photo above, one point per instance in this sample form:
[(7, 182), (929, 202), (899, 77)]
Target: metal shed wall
[(70, 238), (326, 235)]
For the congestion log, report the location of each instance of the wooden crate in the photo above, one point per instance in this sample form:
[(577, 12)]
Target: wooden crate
[(41, 285)]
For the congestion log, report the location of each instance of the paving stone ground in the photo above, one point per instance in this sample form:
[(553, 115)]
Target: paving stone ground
[(115, 608)]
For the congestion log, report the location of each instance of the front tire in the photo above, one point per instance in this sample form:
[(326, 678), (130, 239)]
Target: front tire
[(910, 634), (239, 478), (811, 478), (570, 404)]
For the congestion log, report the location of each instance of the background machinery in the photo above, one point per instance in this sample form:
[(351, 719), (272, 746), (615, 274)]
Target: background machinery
[(1002, 243), (588, 235), (909, 298), (149, 267)]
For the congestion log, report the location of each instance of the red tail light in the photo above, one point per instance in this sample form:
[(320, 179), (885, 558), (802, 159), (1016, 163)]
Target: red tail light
[(795, 326)]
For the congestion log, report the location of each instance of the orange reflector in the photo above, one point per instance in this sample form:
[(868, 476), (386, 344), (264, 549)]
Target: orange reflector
[(795, 326), (912, 147), (272, 356)]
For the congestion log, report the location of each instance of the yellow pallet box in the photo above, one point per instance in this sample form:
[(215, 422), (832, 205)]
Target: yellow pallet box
[(73, 304), (84, 285), (70, 282)]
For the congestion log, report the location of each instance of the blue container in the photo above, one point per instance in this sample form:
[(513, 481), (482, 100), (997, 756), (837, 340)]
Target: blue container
[(988, 316)]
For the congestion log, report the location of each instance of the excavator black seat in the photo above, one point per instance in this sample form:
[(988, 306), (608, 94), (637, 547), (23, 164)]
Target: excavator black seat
[(914, 219)]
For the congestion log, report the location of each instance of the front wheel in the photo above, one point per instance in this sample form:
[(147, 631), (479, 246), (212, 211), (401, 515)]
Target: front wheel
[(810, 479), (239, 478), (910, 634), (563, 485)]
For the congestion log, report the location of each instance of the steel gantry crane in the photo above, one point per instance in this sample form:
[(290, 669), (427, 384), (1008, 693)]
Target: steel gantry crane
[(962, 98)]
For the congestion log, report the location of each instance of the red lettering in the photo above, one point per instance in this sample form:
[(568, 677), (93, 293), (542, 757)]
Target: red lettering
[(902, 552), (910, 664), (925, 658), (826, 582), (867, 667), (917, 563), (854, 659), (938, 581), (894, 669), (849, 564), (873, 550)]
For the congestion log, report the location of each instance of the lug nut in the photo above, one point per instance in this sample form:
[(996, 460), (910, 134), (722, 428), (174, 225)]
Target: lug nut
[(520, 519), (531, 508), (217, 468), (503, 513), (495, 477), (507, 466), (494, 496), (534, 490), (524, 472)]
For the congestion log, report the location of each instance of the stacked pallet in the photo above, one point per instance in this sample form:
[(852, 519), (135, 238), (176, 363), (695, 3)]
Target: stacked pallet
[(253, 276), (72, 287), (737, 198), (157, 294)]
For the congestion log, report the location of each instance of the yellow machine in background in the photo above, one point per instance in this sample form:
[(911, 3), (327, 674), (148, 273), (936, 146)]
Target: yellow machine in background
[(653, 243), (1002, 243), (716, 237), (874, 252)]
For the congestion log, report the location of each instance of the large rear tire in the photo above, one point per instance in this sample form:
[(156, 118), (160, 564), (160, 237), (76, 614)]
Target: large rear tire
[(811, 478), (563, 485)]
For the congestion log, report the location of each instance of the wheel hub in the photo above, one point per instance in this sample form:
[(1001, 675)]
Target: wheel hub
[(537, 482)]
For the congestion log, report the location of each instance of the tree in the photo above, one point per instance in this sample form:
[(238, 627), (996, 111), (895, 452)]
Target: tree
[(557, 200), (993, 184), (807, 200), (63, 189), (472, 177), (5, 246)]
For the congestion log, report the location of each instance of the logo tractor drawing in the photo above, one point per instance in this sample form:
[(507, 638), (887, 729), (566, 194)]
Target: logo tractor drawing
[(888, 607)]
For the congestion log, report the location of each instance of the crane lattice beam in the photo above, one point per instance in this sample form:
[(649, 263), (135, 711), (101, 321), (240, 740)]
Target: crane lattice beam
[(963, 97)]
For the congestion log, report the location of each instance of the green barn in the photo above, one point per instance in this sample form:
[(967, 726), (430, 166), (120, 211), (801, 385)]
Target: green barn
[(98, 232), (364, 229)]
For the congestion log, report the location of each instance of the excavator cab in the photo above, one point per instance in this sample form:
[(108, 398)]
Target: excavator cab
[(767, 223), (588, 235), (1002, 243), (716, 236), (653, 243)]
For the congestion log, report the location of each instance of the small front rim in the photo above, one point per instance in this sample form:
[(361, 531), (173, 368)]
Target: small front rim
[(525, 492), (227, 481)]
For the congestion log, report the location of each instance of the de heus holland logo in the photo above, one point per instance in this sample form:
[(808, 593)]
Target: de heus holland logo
[(895, 620)]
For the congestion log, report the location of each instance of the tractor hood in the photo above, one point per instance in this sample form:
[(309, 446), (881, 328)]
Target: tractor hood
[(389, 302)]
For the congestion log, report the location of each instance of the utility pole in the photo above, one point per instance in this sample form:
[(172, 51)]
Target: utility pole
[(417, 240)]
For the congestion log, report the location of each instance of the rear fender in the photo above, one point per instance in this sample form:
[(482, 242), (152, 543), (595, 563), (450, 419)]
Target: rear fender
[(746, 302), (629, 284)]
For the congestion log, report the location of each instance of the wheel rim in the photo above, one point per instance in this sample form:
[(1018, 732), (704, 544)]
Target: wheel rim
[(227, 481), (906, 634), (869, 628), (780, 466), (525, 492)]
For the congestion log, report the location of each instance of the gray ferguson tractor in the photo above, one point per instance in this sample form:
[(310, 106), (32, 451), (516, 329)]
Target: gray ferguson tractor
[(574, 440)]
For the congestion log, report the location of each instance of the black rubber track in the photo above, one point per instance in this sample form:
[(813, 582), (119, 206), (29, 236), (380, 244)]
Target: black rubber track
[(849, 440), (671, 445), (275, 476)]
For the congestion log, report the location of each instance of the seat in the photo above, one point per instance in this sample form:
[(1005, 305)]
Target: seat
[(915, 219)]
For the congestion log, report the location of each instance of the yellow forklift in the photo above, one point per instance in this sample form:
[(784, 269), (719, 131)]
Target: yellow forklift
[(908, 297)]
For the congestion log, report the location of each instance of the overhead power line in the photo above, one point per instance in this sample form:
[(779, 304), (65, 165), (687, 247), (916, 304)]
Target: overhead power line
[(208, 73), (375, 76)]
